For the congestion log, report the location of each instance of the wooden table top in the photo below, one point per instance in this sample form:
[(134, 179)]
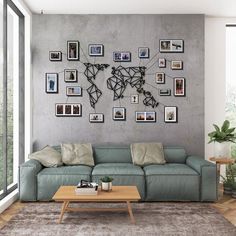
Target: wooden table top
[(222, 160), (118, 193)]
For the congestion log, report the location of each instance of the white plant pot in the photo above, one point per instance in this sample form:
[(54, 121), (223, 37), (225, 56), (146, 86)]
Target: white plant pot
[(106, 186), (222, 149)]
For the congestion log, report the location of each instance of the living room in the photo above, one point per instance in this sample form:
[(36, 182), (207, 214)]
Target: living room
[(117, 117)]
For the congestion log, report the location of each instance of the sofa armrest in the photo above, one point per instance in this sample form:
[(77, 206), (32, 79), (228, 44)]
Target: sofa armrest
[(28, 172), (208, 177)]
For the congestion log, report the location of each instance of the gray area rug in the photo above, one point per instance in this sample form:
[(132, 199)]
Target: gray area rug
[(177, 219)]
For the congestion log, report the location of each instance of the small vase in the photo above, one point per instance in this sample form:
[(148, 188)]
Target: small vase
[(222, 150), (106, 186)]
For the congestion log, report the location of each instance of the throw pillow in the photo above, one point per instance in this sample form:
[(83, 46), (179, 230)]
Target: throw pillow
[(48, 157), (77, 154), (147, 153)]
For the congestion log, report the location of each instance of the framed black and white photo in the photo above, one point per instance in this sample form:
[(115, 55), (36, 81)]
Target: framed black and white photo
[(145, 116), (73, 91), (96, 50), (121, 56), (160, 78), (171, 45), (96, 118), (68, 109), (143, 52), (177, 65), (51, 85), (73, 50), (118, 113), (134, 99), (162, 63), (55, 56), (171, 115), (165, 92), (179, 87), (70, 75)]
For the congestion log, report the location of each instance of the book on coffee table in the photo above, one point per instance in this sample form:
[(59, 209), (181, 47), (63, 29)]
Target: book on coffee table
[(86, 188)]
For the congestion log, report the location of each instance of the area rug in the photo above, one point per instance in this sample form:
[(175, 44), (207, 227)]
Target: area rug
[(164, 219)]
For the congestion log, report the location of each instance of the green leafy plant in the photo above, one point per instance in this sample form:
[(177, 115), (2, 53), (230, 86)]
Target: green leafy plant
[(223, 134), (106, 179), (229, 179)]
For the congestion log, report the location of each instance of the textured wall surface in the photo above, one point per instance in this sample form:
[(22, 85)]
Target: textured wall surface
[(119, 33)]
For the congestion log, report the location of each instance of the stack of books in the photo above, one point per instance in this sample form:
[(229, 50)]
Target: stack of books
[(86, 188)]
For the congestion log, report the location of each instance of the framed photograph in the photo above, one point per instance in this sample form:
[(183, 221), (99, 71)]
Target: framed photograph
[(96, 118), (55, 56), (165, 92), (73, 91), (134, 99), (68, 109), (121, 56), (143, 116), (119, 113), (162, 63), (170, 114), (70, 76), (73, 50), (177, 65), (171, 45), (160, 78), (179, 87), (143, 52), (51, 85), (96, 50)]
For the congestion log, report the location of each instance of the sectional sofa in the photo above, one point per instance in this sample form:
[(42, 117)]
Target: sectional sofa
[(182, 178)]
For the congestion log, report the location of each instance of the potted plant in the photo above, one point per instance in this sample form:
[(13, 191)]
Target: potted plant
[(222, 137), (234, 190), (107, 183), (227, 185)]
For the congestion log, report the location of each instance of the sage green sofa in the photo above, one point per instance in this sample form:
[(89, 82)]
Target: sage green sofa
[(182, 178)]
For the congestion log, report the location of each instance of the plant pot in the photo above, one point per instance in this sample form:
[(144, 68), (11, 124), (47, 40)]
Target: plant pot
[(222, 149), (106, 186), (233, 193), (227, 190)]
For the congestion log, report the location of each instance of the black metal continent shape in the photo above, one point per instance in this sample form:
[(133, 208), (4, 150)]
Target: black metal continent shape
[(91, 72), (134, 76)]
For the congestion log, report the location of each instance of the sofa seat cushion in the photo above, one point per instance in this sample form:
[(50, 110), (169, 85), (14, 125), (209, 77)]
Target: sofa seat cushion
[(50, 179), (122, 173)]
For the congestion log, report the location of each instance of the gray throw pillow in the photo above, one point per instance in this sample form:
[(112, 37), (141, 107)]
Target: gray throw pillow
[(48, 157), (77, 154)]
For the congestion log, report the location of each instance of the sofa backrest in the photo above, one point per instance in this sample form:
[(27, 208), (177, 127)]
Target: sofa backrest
[(175, 154)]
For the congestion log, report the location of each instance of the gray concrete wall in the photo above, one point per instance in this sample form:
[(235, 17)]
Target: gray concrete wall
[(125, 33)]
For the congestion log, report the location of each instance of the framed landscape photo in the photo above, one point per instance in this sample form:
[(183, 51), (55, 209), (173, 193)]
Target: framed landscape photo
[(73, 91), (171, 45), (160, 78), (55, 56), (119, 113), (68, 109), (165, 92), (179, 87), (162, 63), (121, 56), (134, 99), (96, 50), (143, 52), (177, 65), (51, 85), (73, 50), (171, 115), (96, 118), (70, 75), (143, 116)]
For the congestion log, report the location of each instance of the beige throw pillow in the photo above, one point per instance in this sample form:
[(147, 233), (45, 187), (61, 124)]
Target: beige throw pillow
[(147, 153), (77, 154), (48, 157)]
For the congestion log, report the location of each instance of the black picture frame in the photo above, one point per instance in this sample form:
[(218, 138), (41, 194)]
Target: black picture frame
[(179, 86), (73, 50), (171, 45), (143, 52), (123, 56), (72, 77), (145, 116), (74, 91), (96, 54), (121, 116), (164, 92), (174, 67), (97, 120), (55, 56), (68, 109), (161, 62), (160, 78), (168, 114), (51, 83)]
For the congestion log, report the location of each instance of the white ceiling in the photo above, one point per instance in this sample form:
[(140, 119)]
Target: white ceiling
[(223, 8)]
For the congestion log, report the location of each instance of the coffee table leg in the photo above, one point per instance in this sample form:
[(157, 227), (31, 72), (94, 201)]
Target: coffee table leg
[(130, 212), (63, 208)]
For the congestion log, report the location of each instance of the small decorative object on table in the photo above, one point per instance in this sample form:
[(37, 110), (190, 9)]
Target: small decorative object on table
[(107, 183), (85, 187)]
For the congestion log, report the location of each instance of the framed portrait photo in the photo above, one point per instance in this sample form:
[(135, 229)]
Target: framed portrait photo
[(162, 63), (96, 118), (121, 56), (171, 115), (96, 50), (74, 91), (68, 109), (177, 65), (73, 50), (70, 75), (51, 80), (55, 56), (160, 78), (119, 113), (145, 116), (143, 52), (179, 87)]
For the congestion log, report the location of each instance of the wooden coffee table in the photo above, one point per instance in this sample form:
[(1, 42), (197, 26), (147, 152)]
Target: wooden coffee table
[(66, 194)]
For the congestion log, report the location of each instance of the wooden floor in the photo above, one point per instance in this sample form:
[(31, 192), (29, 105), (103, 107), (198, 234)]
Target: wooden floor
[(226, 206)]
